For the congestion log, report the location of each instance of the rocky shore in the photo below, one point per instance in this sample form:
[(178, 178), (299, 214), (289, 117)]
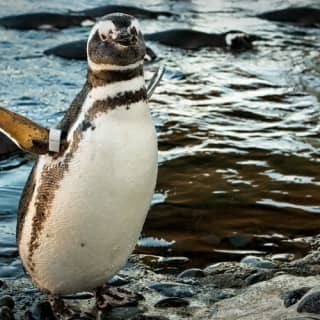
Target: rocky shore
[(270, 287)]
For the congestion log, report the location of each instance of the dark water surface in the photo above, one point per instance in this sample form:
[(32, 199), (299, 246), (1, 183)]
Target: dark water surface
[(238, 134)]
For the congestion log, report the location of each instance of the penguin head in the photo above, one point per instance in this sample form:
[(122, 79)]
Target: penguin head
[(115, 43)]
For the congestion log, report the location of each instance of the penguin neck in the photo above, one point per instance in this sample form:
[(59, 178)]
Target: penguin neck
[(103, 78)]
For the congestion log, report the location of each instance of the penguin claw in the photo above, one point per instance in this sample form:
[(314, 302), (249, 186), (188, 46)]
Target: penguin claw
[(108, 297)]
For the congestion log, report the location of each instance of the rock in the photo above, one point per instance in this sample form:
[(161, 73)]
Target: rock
[(7, 301), (310, 303), (282, 257), (191, 273), (218, 295), (258, 262), (40, 310), (3, 284), (172, 303), (173, 289), (120, 313), (293, 296), (259, 276), (118, 281), (6, 314)]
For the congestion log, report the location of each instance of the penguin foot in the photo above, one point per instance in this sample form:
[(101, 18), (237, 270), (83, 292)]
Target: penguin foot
[(108, 297), (64, 312)]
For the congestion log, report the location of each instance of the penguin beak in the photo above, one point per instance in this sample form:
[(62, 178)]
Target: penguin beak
[(125, 38)]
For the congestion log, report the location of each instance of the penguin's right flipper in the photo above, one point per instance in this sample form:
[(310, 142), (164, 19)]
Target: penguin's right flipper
[(25, 133)]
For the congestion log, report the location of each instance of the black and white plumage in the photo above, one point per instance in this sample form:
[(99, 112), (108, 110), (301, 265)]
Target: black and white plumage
[(83, 209)]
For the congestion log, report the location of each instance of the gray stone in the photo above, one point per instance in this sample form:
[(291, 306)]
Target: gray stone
[(173, 289), (172, 303), (282, 257), (258, 262), (121, 313), (7, 301), (293, 296), (259, 276), (310, 303), (6, 314), (191, 273), (118, 281)]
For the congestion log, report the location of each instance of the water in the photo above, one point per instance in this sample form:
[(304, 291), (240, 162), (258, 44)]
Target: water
[(238, 133)]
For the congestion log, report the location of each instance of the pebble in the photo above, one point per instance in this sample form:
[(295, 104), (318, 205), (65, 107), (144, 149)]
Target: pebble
[(120, 313), (173, 261), (258, 262), (118, 281), (7, 301), (293, 296), (219, 295), (172, 303), (6, 314), (282, 257), (310, 303), (39, 311), (258, 276), (173, 289), (191, 273)]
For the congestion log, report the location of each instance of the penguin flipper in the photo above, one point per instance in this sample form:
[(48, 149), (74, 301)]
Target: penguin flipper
[(25, 133)]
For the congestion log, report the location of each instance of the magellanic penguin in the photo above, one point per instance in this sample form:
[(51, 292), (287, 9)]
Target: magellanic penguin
[(83, 208)]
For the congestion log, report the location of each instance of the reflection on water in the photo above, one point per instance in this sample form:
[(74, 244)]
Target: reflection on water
[(238, 134)]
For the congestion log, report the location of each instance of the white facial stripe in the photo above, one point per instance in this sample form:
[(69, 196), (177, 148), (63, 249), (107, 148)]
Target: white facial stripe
[(104, 67)]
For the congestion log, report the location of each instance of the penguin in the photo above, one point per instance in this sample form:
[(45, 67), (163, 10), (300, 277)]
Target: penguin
[(178, 38), (53, 21), (88, 194), (76, 50), (45, 21), (192, 39), (303, 16)]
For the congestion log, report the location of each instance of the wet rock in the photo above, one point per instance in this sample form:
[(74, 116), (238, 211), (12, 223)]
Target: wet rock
[(173, 289), (118, 281), (7, 301), (121, 313), (259, 276), (229, 274), (172, 303), (3, 284), (6, 314), (39, 311), (293, 296), (282, 257), (191, 273), (219, 295), (258, 262), (310, 303)]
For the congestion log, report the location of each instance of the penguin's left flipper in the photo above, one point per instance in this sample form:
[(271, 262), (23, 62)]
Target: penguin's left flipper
[(25, 133)]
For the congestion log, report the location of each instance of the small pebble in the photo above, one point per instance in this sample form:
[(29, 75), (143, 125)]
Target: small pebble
[(7, 301), (258, 262), (173, 289), (258, 277), (39, 311), (120, 313), (219, 295), (6, 314), (293, 296), (175, 261), (283, 257), (310, 303), (191, 273), (118, 281), (172, 303)]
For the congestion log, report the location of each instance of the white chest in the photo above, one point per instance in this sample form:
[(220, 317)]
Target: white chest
[(100, 206)]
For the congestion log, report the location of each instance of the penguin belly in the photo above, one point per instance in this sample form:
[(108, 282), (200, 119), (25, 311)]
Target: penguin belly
[(99, 206)]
